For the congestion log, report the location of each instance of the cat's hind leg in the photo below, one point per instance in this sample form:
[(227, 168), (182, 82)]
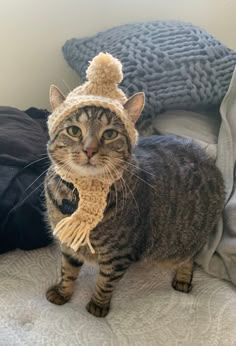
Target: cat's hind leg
[(183, 278), (62, 292)]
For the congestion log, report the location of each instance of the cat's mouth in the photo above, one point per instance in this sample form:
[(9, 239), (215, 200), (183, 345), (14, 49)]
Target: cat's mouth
[(89, 164), (90, 167), (87, 168)]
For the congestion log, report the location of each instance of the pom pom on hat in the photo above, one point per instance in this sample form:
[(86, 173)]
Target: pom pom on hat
[(104, 68)]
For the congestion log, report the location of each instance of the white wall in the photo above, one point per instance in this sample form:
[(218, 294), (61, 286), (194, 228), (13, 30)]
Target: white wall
[(33, 31)]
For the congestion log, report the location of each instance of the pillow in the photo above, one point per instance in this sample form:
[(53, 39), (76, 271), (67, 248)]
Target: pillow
[(202, 127), (177, 65), (22, 146)]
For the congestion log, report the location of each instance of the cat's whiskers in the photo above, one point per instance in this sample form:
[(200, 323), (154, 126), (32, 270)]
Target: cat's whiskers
[(112, 178), (124, 192), (58, 185), (21, 202), (131, 164), (144, 181), (50, 176), (123, 187), (66, 166), (130, 190), (48, 183), (105, 168), (116, 193), (124, 184), (44, 172), (38, 160)]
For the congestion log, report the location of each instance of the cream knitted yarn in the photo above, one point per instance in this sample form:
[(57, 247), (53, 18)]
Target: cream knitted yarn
[(75, 229), (101, 89)]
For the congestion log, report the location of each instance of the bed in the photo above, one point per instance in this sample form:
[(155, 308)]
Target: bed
[(145, 309)]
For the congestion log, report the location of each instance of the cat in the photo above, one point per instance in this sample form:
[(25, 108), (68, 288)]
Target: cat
[(163, 208)]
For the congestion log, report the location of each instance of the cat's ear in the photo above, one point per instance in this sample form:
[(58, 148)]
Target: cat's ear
[(134, 106), (56, 97)]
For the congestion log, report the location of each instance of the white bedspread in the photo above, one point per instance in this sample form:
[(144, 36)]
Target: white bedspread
[(145, 309)]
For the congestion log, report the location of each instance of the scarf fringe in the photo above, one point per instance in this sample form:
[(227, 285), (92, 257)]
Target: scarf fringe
[(74, 231)]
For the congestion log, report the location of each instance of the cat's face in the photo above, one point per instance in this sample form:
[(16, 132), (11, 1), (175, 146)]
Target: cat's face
[(92, 141)]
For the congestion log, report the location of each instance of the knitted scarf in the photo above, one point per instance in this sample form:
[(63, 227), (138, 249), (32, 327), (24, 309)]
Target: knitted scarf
[(74, 230)]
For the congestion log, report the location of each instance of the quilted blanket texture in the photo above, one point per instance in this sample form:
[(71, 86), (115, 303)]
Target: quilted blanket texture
[(145, 311)]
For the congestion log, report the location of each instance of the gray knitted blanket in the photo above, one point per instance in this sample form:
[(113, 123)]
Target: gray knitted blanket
[(177, 65)]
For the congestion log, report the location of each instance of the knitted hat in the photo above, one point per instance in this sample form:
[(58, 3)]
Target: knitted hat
[(101, 89)]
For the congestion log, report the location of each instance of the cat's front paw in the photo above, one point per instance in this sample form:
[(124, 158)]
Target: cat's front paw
[(55, 296), (181, 286), (97, 310)]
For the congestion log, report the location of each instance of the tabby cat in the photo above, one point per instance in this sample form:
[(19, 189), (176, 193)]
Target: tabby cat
[(163, 208)]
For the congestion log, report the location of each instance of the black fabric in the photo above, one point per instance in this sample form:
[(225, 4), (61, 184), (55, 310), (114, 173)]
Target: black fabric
[(23, 138)]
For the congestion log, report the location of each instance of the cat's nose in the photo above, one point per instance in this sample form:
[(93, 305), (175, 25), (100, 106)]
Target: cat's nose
[(90, 146), (90, 152)]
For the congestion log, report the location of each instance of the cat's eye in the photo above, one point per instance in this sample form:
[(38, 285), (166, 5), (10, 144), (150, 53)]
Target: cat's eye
[(73, 131), (110, 134)]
